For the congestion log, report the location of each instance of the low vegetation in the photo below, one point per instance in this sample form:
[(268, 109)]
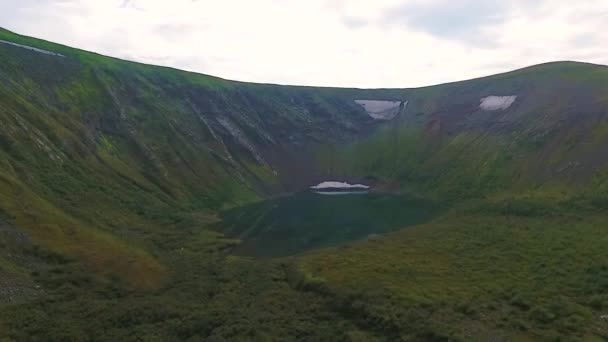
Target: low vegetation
[(478, 274)]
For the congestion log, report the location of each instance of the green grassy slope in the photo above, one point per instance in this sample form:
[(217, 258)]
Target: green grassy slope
[(112, 174), (520, 255), (122, 145), (112, 170), (477, 274), (553, 136)]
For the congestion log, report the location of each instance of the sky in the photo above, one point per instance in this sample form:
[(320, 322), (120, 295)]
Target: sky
[(346, 43)]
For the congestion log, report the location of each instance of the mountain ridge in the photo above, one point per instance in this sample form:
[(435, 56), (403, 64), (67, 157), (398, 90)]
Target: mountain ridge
[(62, 46)]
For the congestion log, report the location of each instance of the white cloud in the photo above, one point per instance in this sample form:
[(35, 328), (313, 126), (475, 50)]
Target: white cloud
[(322, 42)]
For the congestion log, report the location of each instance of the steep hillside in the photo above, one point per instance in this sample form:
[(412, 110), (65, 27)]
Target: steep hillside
[(447, 142), (112, 174), (113, 144)]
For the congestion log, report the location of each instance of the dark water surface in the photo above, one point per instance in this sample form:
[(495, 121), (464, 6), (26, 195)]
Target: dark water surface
[(306, 220)]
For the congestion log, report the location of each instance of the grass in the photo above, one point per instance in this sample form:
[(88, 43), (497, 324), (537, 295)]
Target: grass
[(50, 228), (466, 276)]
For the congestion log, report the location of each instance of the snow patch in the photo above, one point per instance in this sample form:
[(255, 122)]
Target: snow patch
[(338, 185), (32, 48), (497, 102), (340, 193), (381, 110)]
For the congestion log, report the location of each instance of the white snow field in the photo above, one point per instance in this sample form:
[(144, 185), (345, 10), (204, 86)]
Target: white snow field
[(338, 185), (381, 110), (497, 102)]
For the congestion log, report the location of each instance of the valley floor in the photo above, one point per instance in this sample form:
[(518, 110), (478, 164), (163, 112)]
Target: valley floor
[(509, 269)]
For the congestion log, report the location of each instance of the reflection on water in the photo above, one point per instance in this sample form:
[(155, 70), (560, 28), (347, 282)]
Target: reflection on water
[(308, 220)]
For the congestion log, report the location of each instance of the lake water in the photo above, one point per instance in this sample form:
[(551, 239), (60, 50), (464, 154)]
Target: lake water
[(307, 220)]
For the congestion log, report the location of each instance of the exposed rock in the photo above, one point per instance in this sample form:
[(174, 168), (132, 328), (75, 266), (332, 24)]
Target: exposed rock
[(241, 137), (14, 290)]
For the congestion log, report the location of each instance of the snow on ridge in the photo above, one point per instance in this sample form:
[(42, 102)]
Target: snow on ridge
[(497, 102), (32, 48), (379, 109), (338, 185)]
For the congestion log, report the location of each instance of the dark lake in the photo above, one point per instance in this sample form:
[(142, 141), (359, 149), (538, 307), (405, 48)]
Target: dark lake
[(306, 220)]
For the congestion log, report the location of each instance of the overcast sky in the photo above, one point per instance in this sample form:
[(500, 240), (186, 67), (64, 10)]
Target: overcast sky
[(367, 43)]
